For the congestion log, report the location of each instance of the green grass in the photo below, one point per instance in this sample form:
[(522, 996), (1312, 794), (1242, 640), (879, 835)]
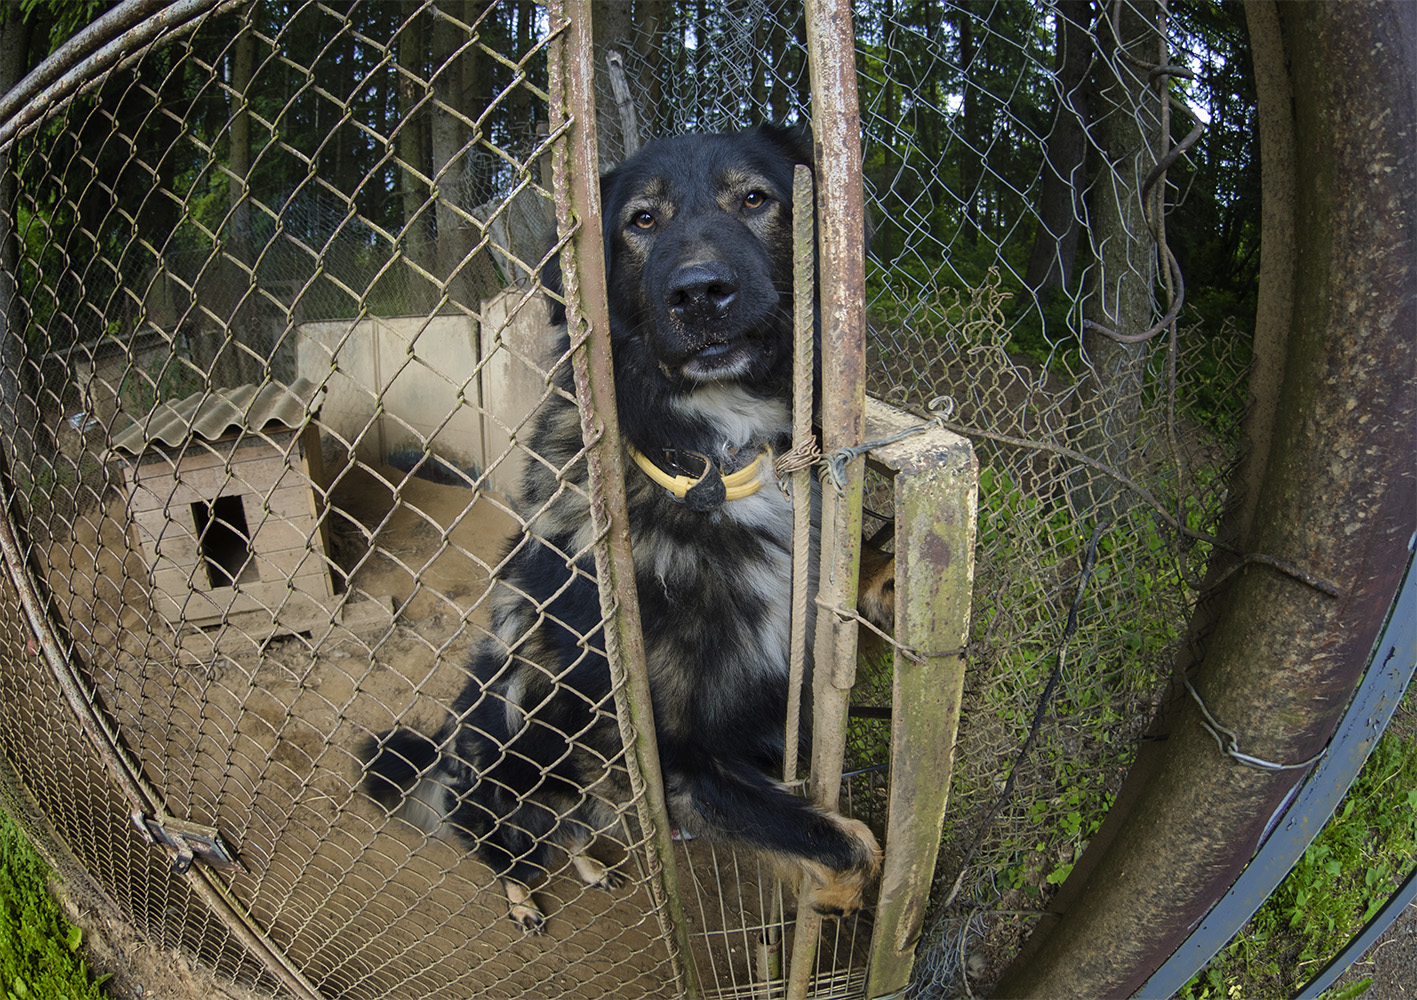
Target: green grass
[(1343, 879), (40, 956)]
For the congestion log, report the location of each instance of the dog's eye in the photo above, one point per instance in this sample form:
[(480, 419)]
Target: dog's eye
[(644, 220), (754, 199)]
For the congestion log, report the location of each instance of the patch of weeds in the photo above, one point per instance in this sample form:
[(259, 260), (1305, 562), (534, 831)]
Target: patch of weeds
[(40, 956), (1032, 551), (1343, 879)]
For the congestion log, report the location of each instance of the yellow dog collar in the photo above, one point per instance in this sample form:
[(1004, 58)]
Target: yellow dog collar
[(736, 485)]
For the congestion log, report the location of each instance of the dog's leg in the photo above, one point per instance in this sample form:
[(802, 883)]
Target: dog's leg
[(832, 892), (839, 856), (593, 873), (875, 591), (492, 830)]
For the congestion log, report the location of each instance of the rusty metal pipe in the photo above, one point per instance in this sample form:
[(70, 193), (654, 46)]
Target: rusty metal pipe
[(577, 196), (841, 255)]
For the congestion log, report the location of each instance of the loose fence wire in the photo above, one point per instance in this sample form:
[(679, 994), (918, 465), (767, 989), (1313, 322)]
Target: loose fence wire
[(341, 195)]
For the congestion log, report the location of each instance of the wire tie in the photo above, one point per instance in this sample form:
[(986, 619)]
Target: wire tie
[(834, 465), (804, 456), (1229, 742)]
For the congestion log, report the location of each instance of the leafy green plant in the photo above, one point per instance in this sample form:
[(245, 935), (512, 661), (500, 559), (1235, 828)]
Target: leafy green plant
[(40, 957)]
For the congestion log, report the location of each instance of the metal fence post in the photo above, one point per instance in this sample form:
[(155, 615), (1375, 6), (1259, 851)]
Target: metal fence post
[(577, 192), (841, 239)]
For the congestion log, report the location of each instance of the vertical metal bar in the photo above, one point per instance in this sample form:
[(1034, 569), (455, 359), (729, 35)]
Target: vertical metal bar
[(936, 499), (841, 235), (577, 196), (804, 259), (804, 322)]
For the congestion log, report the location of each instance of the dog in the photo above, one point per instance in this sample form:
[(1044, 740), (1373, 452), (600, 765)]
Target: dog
[(698, 267)]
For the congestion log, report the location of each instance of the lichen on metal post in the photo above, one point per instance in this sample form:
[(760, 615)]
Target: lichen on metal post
[(935, 477), (577, 195)]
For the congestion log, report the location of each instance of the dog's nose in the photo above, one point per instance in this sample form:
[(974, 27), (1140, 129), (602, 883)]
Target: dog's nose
[(702, 291)]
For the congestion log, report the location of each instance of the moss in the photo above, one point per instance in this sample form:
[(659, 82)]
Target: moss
[(40, 951)]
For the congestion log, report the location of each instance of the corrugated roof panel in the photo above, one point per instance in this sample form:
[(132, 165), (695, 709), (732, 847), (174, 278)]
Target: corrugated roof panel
[(212, 415)]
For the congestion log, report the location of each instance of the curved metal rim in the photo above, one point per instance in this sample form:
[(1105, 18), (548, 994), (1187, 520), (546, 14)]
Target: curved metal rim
[(1390, 671)]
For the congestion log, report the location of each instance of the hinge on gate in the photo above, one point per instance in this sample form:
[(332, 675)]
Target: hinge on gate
[(187, 842)]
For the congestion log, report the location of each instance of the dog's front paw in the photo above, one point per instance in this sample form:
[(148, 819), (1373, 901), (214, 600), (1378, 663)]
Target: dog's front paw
[(522, 907), (610, 881), (840, 893), (596, 875)]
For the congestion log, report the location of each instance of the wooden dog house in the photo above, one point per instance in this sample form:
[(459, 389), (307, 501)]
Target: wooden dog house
[(224, 507)]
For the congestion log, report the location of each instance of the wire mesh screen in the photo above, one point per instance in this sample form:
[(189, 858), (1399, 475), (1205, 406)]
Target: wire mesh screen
[(265, 479), (1029, 292), (82, 811), (273, 346)]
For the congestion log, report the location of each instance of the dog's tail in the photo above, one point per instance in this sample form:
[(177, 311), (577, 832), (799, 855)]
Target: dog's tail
[(400, 773)]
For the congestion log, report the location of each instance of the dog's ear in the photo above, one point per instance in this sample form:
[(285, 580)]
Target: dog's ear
[(795, 141), (551, 282), (551, 278)]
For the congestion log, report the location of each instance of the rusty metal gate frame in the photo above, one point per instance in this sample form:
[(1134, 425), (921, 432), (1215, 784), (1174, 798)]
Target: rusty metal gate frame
[(934, 539)]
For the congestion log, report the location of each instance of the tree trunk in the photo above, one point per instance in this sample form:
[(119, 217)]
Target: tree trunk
[(1120, 285), (647, 13), (971, 158), (446, 140), (418, 212), (238, 261), (19, 419), (1060, 208), (467, 277), (618, 125), (777, 46), (762, 68)]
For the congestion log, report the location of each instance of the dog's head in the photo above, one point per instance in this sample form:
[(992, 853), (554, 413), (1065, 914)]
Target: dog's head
[(698, 247)]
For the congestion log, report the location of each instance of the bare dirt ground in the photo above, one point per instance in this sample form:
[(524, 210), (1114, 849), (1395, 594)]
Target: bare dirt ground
[(139, 969), (1391, 962), (258, 736)]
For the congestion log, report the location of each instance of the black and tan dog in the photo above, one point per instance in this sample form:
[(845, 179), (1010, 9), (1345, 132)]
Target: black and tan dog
[(698, 249)]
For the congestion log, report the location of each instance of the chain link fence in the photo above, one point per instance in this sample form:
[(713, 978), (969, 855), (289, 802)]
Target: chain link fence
[(342, 211)]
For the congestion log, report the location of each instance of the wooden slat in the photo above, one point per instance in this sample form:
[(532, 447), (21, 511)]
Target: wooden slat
[(303, 605), (292, 501), (212, 454), (244, 632), (257, 475), (178, 580), (272, 540), (936, 478)]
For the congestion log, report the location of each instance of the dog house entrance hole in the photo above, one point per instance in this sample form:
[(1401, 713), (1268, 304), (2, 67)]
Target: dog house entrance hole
[(225, 540)]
